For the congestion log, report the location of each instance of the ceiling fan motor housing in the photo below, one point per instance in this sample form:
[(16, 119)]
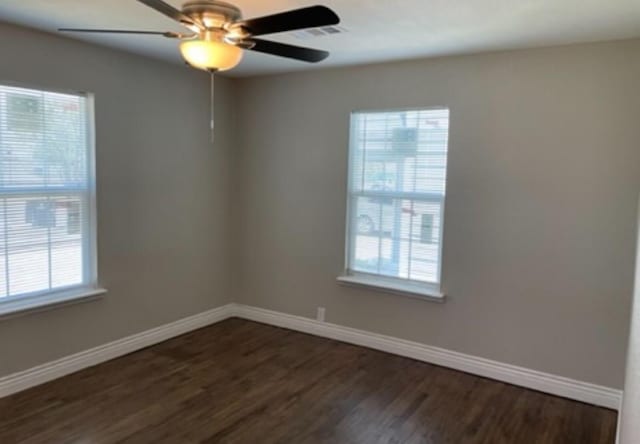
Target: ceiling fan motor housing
[(212, 13)]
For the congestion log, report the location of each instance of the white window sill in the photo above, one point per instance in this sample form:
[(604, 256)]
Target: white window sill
[(20, 305), (421, 291)]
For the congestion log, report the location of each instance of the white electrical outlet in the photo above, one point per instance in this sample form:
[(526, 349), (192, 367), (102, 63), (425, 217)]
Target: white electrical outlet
[(320, 314)]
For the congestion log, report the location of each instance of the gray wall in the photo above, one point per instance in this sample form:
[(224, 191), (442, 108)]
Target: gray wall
[(163, 194), (544, 171)]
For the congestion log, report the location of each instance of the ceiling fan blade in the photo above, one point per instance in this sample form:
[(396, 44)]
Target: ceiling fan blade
[(171, 12), (288, 51), (310, 17), (168, 34)]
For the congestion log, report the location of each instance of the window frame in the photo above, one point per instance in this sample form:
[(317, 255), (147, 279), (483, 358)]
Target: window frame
[(373, 281), (89, 288)]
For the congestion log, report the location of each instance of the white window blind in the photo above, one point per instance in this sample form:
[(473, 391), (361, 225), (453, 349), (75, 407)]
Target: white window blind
[(397, 172), (46, 192)]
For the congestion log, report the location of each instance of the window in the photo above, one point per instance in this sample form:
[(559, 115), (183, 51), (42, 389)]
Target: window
[(47, 243), (397, 178)]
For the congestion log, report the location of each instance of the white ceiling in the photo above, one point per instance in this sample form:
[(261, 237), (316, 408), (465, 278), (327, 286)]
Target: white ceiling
[(377, 30)]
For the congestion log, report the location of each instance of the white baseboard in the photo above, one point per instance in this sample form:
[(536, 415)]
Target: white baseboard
[(52, 370), (544, 382)]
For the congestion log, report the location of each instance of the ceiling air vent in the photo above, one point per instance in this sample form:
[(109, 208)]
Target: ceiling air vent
[(319, 32)]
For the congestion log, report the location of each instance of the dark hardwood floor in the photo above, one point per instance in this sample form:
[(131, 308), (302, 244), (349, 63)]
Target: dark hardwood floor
[(244, 382)]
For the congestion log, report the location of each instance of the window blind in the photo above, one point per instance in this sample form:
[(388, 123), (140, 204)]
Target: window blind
[(397, 182), (45, 192)]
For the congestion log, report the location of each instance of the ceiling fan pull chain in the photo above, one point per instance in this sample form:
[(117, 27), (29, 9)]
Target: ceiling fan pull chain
[(212, 98)]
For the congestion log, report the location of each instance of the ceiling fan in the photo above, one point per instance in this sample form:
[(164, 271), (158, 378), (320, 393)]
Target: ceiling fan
[(218, 35)]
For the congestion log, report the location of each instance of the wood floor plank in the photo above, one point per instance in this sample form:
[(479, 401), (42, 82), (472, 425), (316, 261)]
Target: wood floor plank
[(244, 382)]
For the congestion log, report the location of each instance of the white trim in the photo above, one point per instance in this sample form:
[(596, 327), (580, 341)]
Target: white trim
[(52, 370), (619, 421), (536, 380), (90, 265), (544, 382), (21, 304), (425, 291)]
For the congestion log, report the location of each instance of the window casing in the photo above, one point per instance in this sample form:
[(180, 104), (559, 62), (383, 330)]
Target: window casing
[(47, 195), (396, 197)]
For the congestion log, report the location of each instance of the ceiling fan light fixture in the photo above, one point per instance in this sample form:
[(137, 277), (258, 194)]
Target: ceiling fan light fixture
[(210, 55)]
